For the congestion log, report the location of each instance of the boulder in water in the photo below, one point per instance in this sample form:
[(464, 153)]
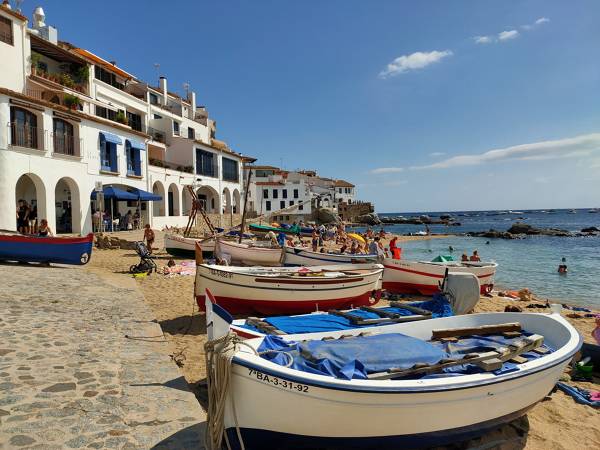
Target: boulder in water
[(369, 219)]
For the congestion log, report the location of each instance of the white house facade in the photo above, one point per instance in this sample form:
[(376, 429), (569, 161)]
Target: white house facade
[(73, 123)]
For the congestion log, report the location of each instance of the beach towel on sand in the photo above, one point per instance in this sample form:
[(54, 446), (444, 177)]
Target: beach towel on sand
[(580, 395)]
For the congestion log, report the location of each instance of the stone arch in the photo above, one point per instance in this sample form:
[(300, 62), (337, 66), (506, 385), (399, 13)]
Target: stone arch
[(209, 198), (237, 206), (226, 201), (158, 206), (69, 214), (186, 198), (31, 188), (174, 200)]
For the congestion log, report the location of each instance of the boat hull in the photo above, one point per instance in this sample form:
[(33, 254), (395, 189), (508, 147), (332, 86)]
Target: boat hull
[(59, 250), (186, 247), (306, 410), (413, 277), (295, 256), (251, 255), (240, 293)]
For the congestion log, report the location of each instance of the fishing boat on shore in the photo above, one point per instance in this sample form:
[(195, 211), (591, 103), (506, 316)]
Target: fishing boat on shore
[(288, 290), (177, 245), (59, 250), (424, 277), (291, 230), (460, 294), (301, 256), (409, 385), (249, 253)]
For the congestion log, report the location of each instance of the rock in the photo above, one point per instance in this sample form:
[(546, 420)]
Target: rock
[(445, 217), (324, 215), (369, 219), (522, 228), (60, 387), (590, 230), (20, 440), (126, 245)]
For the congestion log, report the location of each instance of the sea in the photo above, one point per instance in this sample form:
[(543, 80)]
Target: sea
[(531, 262)]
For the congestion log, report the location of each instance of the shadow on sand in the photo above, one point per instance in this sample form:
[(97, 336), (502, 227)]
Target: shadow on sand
[(191, 437), (194, 325)]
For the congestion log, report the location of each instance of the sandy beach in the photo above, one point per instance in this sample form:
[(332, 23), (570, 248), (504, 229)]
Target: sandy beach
[(555, 423)]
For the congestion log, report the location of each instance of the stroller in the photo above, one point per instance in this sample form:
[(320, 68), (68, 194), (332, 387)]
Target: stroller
[(146, 263)]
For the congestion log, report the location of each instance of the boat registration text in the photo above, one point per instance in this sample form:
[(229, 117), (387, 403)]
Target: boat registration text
[(286, 384), (221, 274)]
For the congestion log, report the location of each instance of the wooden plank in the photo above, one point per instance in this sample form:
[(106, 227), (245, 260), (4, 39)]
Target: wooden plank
[(518, 360), (449, 339), (541, 350), (380, 312), (482, 330), (264, 326), (411, 308), (512, 334), (513, 350)]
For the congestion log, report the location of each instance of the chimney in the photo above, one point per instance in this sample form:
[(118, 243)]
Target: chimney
[(163, 88), (192, 100)]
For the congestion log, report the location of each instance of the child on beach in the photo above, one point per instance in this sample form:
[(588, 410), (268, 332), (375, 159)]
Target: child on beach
[(44, 230), (149, 237)]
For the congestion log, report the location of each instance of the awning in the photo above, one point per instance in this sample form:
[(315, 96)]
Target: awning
[(135, 144), (115, 193), (109, 137), (145, 196)]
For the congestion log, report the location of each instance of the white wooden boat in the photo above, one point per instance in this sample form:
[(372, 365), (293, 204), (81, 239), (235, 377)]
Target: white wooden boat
[(177, 245), (423, 277), (300, 256), (268, 405), (288, 290), (249, 253)]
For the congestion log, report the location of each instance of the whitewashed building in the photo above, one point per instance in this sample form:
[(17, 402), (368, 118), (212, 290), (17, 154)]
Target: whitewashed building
[(70, 121)]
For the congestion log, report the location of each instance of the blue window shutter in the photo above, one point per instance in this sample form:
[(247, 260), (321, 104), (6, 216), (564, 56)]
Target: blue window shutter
[(113, 156), (137, 162)]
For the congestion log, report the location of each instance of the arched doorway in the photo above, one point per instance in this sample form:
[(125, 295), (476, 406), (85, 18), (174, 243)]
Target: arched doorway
[(237, 207), (31, 193), (187, 201), (67, 206), (226, 201), (174, 209), (209, 199), (158, 208)]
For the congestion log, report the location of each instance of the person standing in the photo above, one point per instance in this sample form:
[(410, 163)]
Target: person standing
[(315, 239), (23, 217), (149, 237), (33, 217)]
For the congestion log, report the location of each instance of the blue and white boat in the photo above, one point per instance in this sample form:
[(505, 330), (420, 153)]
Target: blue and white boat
[(300, 256), (322, 390), (60, 250)]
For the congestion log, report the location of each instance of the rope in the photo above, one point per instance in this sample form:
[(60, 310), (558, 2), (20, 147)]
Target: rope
[(219, 354)]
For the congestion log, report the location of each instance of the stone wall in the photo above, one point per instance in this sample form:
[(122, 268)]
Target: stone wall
[(349, 212)]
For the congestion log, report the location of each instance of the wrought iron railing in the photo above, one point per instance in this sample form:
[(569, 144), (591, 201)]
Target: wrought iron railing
[(23, 135), (64, 144)]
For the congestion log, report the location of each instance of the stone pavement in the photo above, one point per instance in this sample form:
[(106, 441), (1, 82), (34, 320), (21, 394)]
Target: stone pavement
[(83, 366)]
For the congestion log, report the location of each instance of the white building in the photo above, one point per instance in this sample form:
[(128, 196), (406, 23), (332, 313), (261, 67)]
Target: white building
[(71, 120)]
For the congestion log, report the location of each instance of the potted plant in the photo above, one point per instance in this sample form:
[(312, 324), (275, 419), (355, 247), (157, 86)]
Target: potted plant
[(66, 80), (71, 101), (121, 118), (81, 74), (34, 59)]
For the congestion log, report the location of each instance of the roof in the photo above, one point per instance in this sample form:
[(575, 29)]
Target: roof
[(343, 183), (269, 183), (12, 13), (54, 51), (248, 159), (251, 167), (102, 62)]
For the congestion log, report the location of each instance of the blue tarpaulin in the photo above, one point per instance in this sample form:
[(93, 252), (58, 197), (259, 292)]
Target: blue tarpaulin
[(136, 144), (109, 137), (355, 357), (312, 323), (145, 196), (111, 192)]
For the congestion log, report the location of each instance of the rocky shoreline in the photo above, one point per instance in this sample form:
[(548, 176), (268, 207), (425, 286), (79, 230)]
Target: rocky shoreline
[(521, 230)]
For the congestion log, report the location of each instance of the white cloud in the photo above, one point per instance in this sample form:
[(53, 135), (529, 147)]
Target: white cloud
[(483, 39), (434, 154), (387, 170), (507, 35), (537, 23), (414, 61), (542, 20), (563, 148)]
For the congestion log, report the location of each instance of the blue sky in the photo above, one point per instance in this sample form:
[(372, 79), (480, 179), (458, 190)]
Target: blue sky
[(404, 99)]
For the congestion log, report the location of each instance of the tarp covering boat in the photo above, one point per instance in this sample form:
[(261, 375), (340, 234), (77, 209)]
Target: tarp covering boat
[(312, 323), (358, 356)]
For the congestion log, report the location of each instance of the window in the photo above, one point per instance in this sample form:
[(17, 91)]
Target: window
[(6, 32), (176, 128), (265, 193), (108, 77), (282, 204), (340, 190), (153, 100), (156, 116), (23, 128), (63, 140), (284, 193), (268, 205), (291, 202), (295, 193), (106, 113), (134, 165), (191, 133), (205, 163), (108, 156), (134, 121), (275, 193), (301, 206), (230, 170)]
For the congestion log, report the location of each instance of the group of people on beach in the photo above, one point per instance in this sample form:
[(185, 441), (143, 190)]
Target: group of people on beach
[(27, 220), (128, 221)]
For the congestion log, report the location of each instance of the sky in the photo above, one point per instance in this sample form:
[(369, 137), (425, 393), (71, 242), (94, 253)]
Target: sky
[(425, 106)]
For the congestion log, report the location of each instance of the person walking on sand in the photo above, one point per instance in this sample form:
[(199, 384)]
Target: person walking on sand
[(149, 237), (475, 257)]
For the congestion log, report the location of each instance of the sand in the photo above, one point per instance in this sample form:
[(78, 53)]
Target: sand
[(555, 423)]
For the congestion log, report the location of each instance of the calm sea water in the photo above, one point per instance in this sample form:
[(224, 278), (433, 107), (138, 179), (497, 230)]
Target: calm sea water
[(530, 262)]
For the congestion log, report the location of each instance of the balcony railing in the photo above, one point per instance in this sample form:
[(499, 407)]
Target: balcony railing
[(22, 135), (157, 135), (64, 144), (167, 165)]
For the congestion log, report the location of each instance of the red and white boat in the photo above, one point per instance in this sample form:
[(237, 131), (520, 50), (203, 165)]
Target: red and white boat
[(424, 277), (288, 290), (249, 253)]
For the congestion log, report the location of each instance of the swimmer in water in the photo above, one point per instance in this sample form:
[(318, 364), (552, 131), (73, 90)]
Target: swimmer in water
[(562, 268)]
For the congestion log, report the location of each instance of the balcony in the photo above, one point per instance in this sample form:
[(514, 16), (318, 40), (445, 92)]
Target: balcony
[(167, 165), (26, 136), (57, 96), (60, 80), (66, 144), (157, 135)]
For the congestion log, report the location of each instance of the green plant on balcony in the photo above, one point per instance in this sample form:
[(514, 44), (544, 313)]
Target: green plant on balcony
[(66, 80), (71, 101), (81, 74), (156, 162), (121, 118), (34, 59)]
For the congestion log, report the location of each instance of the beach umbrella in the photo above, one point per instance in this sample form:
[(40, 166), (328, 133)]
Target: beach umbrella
[(356, 237)]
